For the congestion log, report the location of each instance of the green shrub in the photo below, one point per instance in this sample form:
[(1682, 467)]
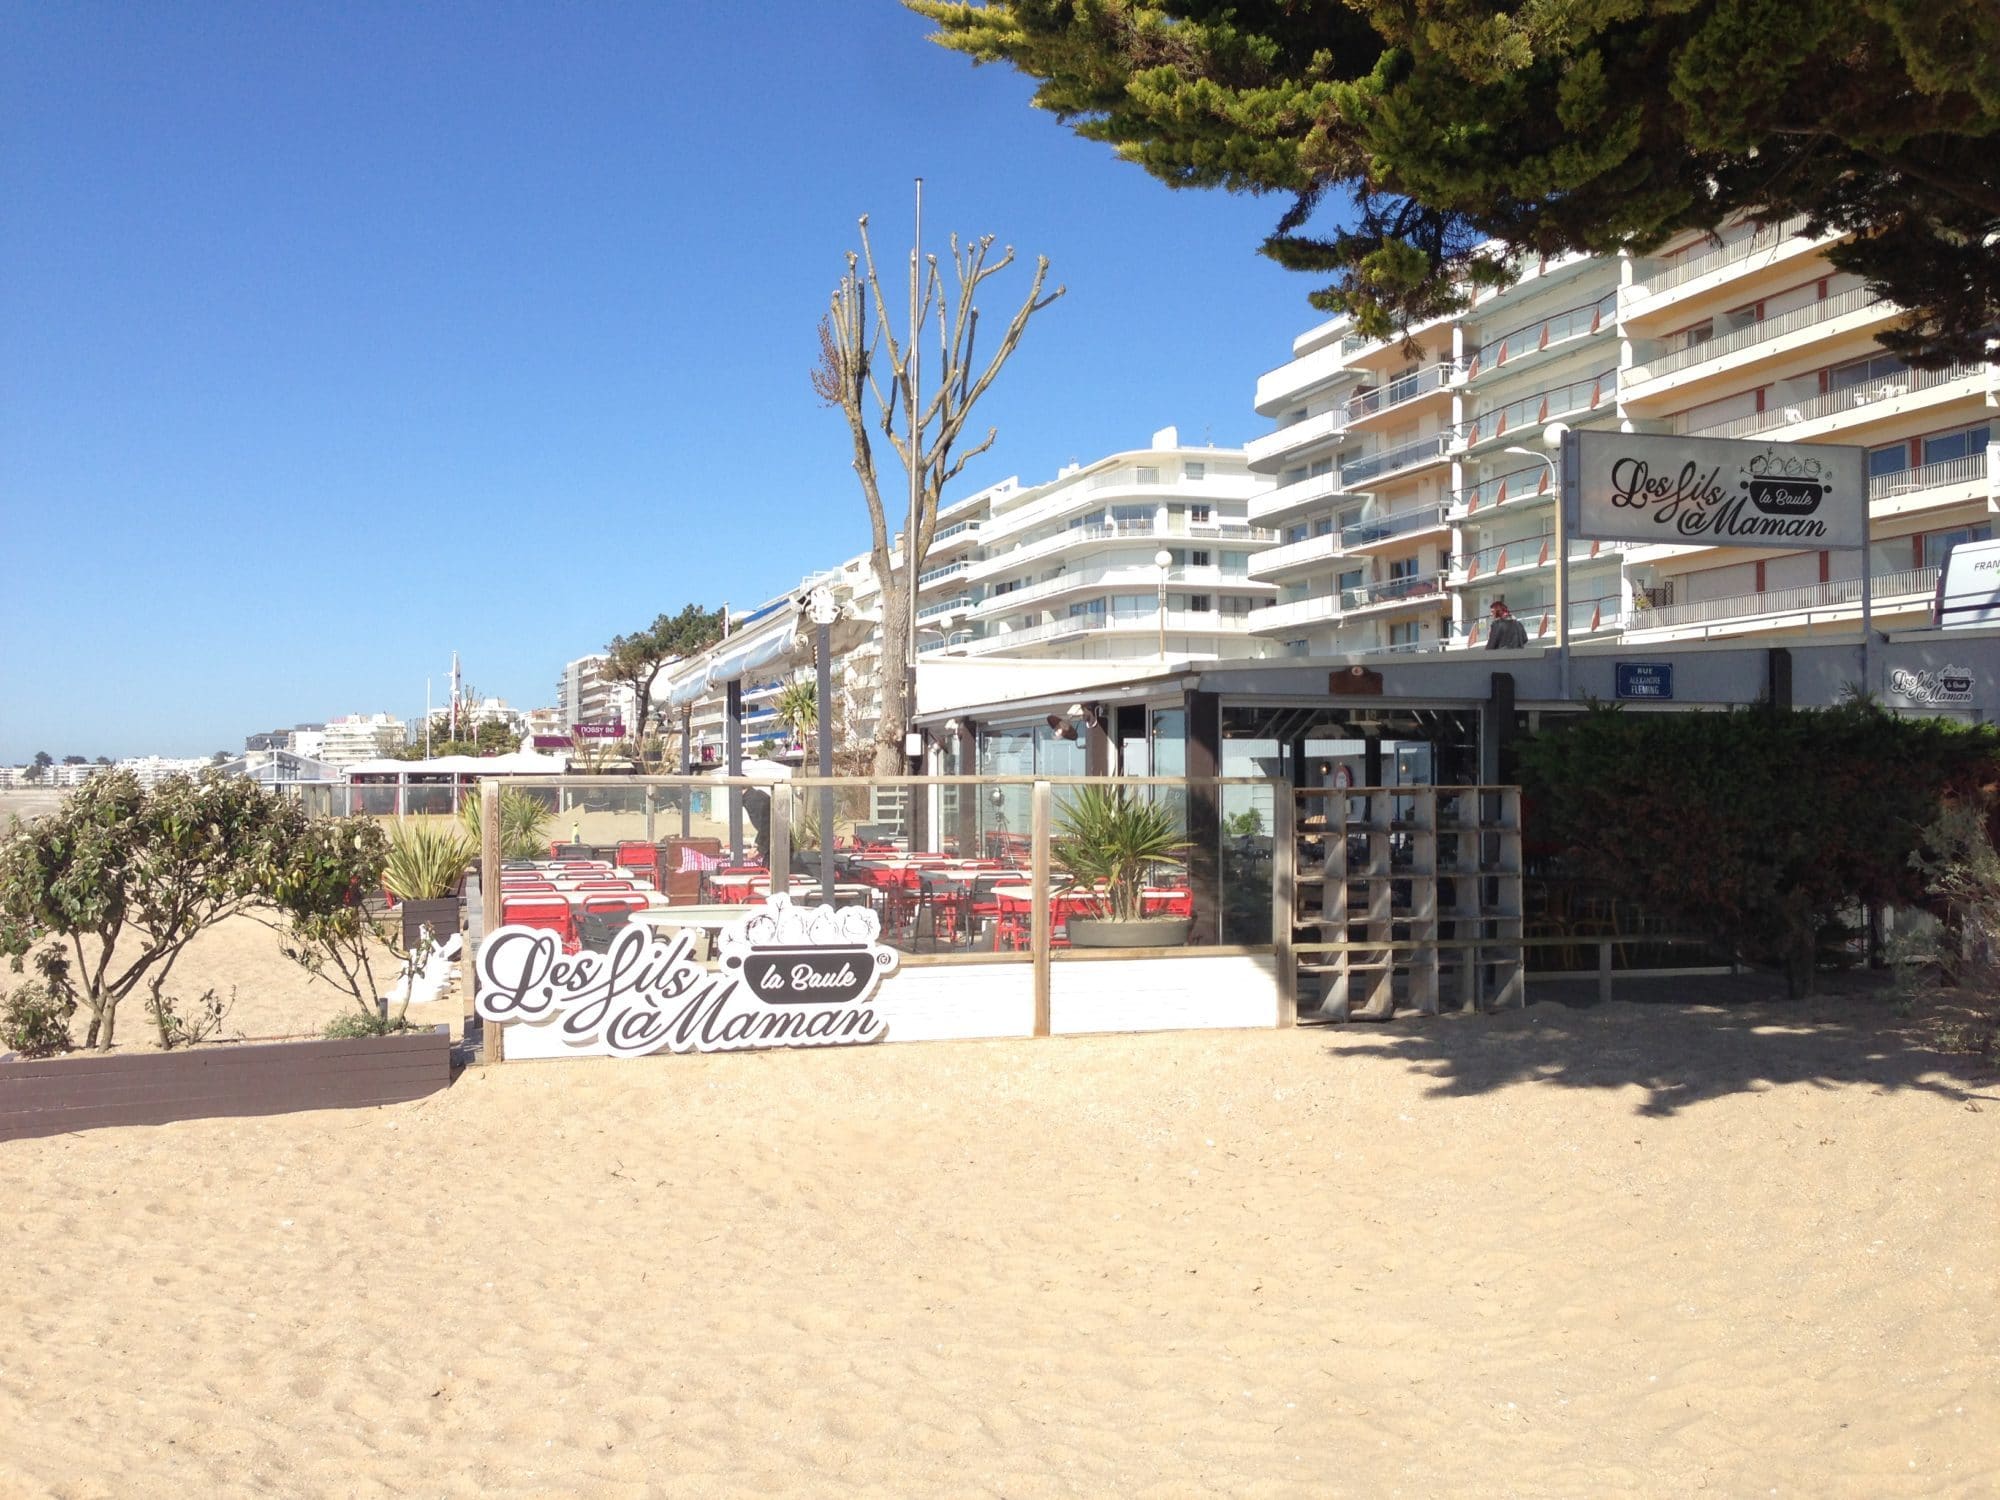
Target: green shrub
[(350, 1025), (35, 1022), (427, 860)]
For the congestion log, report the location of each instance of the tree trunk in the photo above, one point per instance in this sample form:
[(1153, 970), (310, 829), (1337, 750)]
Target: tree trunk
[(892, 676)]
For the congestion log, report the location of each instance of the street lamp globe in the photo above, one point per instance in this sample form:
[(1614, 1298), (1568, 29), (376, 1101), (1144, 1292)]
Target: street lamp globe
[(1163, 559), (1553, 435)]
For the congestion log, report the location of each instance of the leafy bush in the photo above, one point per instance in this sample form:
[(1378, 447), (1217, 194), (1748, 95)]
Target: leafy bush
[(350, 1025), (34, 1022), (1755, 828), (1108, 840), (201, 1021)]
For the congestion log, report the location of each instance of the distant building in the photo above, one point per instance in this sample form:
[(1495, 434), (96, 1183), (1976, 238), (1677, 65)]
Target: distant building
[(360, 737), (585, 696)]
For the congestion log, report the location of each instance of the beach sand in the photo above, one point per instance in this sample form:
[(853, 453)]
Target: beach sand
[(1630, 1249)]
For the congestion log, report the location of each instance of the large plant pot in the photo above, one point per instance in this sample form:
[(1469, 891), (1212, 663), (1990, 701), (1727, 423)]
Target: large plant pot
[(1144, 932), (440, 915)]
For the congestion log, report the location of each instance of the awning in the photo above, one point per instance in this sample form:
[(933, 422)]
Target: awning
[(781, 642)]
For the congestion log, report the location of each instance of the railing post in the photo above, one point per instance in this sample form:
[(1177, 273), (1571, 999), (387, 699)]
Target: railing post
[(491, 1049), (781, 838), (1604, 970), (1041, 800), (1284, 884)]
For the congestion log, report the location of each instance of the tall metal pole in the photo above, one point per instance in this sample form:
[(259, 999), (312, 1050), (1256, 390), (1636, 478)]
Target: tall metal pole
[(916, 470)]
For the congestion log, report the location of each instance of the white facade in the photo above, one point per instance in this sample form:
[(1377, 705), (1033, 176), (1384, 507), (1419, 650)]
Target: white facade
[(1404, 514), (583, 696), (361, 737)]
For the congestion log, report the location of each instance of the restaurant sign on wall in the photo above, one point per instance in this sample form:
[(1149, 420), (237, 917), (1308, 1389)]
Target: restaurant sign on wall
[(789, 976), (1717, 492), (1931, 687)]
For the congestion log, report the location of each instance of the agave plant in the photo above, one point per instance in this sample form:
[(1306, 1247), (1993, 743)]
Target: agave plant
[(426, 860), (1107, 841), (524, 824)]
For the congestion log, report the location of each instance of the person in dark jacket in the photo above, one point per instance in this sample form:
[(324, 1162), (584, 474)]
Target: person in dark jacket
[(1506, 632)]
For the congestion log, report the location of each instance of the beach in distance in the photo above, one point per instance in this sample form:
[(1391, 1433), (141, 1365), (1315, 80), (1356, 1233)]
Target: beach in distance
[(1649, 1247)]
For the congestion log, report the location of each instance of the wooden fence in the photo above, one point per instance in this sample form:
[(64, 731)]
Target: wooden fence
[(56, 1095)]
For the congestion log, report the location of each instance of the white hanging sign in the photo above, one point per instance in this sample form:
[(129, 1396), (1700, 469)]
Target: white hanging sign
[(789, 976), (1714, 492)]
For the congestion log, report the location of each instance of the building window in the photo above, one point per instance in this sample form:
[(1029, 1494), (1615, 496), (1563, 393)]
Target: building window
[(1148, 474), (1964, 443), (1296, 533), (1883, 367), (1200, 558), (1404, 632), (1201, 515), (1403, 567), (1200, 603), (1935, 543), (1142, 515), (1890, 459), (1237, 563), (1195, 471)]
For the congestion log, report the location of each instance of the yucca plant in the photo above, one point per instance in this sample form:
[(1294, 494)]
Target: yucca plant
[(426, 860), (797, 708), (524, 824), (1105, 843)]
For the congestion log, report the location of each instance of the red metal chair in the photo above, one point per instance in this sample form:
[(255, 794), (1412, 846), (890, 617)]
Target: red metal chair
[(606, 885), (610, 902), (551, 915), (638, 855)]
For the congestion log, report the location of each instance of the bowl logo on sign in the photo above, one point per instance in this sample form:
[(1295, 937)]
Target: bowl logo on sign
[(1785, 485), (803, 955)]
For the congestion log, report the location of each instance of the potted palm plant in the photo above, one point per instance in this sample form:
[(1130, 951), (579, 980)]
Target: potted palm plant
[(425, 873), (524, 824), (1106, 844)]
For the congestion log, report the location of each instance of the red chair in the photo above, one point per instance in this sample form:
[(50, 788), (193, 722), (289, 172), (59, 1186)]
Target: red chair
[(638, 856), (633, 902), (606, 885), (550, 915)]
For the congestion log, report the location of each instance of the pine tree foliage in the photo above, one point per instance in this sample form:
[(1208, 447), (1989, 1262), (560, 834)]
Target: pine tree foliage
[(1465, 134)]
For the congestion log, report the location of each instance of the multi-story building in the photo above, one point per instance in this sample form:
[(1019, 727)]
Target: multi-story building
[(1414, 489), (359, 737), (585, 696), (1138, 555)]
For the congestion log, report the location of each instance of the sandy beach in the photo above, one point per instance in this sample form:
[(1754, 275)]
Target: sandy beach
[(1639, 1248)]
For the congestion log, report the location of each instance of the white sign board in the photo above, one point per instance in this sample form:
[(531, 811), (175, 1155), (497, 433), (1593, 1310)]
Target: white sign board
[(1714, 492), (1928, 687), (789, 976), (1969, 585)]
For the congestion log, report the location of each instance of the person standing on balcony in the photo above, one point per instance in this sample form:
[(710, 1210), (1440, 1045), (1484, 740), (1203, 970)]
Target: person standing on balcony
[(1506, 633)]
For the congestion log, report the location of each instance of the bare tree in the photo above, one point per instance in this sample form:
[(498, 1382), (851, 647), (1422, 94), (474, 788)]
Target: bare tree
[(856, 347)]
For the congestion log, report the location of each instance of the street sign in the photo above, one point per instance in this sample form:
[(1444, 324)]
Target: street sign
[(1645, 680)]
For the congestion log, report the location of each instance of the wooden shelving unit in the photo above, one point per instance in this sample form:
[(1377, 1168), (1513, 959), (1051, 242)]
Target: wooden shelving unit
[(1418, 889)]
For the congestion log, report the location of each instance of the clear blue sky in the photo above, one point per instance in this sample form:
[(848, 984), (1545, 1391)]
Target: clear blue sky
[(336, 337)]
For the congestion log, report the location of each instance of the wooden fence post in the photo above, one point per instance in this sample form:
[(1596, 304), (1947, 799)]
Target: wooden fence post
[(1284, 885), (491, 1048), (1041, 802)]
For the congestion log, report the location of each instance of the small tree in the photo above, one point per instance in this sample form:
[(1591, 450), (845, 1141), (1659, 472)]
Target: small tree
[(638, 659), (332, 866), (853, 339), (125, 878)]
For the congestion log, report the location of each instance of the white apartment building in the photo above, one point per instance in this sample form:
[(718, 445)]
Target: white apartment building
[(359, 737), (1073, 568), (1413, 488), (584, 696)]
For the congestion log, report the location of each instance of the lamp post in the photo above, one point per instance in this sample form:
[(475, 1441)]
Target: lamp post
[(1163, 560), (1552, 436)]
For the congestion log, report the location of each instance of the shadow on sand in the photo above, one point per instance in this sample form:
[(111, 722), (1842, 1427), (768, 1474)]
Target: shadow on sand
[(1685, 1041)]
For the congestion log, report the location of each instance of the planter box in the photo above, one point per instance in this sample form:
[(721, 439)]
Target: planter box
[(440, 915), (54, 1095)]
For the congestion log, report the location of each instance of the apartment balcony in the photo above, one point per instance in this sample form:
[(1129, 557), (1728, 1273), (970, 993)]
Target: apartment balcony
[(956, 538), (1840, 600), (1518, 489), (1269, 453), (948, 609), (1190, 533), (1663, 372), (1950, 482), (1306, 555), (1400, 395), (1524, 556), (949, 570), (1365, 536), (1077, 627), (1521, 418), (1381, 597), (1130, 578), (1877, 401), (1664, 283), (1556, 332), (1287, 501), (1409, 457), (1533, 275), (1307, 375)]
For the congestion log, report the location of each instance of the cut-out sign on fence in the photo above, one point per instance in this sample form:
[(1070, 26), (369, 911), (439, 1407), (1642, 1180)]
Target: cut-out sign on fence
[(790, 976)]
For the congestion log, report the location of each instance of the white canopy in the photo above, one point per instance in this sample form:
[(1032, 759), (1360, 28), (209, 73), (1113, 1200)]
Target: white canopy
[(779, 643)]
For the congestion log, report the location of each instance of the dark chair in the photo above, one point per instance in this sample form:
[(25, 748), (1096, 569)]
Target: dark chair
[(572, 851), (596, 929)]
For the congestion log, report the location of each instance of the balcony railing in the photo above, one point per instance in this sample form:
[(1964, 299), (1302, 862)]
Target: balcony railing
[(924, 579), (1530, 483), (1399, 392), (1586, 617), (949, 606), (1543, 406), (1536, 551), (1420, 587), (1305, 551), (1546, 333), (1752, 334), (1904, 383), (1660, 275), (963, 528), (1179, 621), (1380, 465), (1387, 528), (1131, 576), (1840, 593), (1968, 470), (1110, 531), (1299, 434)]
